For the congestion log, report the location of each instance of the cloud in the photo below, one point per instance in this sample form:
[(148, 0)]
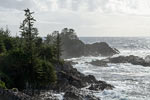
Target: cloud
[(103, 6), (88, 17), (16, 4)]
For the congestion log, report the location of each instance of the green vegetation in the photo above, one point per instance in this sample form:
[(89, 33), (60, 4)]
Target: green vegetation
[(2, 85), (28, 62), (15, 89)]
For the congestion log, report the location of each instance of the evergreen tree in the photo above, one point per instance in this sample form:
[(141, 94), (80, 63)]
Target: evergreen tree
[(49, 39), (29, 34), (28, 31), (2, 47), (58, 45), (30, 60)]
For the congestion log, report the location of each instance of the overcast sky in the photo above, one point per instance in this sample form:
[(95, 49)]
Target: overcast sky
[(87, 17)]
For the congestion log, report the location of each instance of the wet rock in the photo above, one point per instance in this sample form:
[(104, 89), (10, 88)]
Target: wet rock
[(46, 95), (72, 63), (72, 95), (91, 97), (135, 60), (99, 63), (71, 80), (100, 85), (76, 94), (89, 79), (11, 95), (147, 59), (69, 76)]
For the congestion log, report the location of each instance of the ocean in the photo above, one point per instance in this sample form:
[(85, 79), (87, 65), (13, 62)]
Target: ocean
[(139, 46), (132, 82)]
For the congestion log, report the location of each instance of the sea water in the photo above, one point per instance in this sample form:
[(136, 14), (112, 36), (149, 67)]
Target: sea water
[(132, 82)]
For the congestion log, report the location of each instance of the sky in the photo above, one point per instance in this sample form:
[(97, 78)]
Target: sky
[(88, 18)]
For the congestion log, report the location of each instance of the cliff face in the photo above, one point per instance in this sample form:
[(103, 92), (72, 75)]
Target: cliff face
[(76, 48)]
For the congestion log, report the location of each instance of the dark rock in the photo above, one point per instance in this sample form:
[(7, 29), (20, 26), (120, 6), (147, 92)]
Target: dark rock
[(99, 63), (71, 79), (76, 94), (11, 95), (73, 95), (89, 79), (72, 63), (91, 97), (100, 48), (46, 95), (73, 47), (135, 60), (69, 76), (100, 85)]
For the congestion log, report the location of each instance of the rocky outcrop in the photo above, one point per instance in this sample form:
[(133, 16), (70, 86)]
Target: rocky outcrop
[(73, 47), (135, 60), (17, 95), (69, 80), (99, 48), (13, 95), (72, 63), (75, 94), (69, 76), (72, 81), (100, 85), (100, 63)]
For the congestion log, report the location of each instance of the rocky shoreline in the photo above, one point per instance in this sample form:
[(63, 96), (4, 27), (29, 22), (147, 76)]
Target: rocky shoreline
[(70, 82)]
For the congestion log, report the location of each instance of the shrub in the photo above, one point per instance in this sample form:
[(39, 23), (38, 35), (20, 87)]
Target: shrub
[(2, 85), (14, 89), (44, 73)]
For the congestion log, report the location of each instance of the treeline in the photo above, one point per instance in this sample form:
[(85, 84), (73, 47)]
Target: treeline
[(27, 61)]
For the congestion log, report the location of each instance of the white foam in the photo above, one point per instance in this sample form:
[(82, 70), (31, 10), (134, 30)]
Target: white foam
[(131, 82), (140, 52)]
